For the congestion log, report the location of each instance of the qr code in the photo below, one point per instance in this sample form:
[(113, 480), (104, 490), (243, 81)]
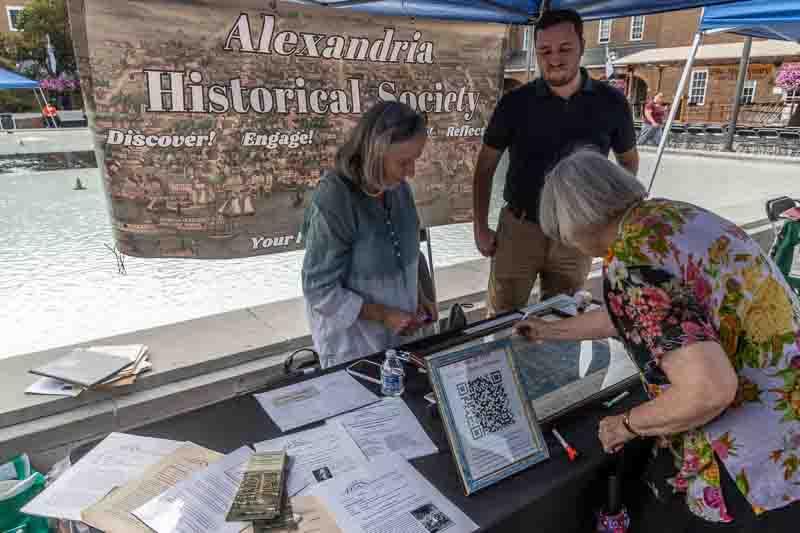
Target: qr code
[(486, 404)]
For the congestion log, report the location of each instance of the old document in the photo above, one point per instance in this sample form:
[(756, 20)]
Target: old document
[(387, 426), (113, 513), (314, 400), (114, 462), (199, 503), (316, 455), (388, 497)]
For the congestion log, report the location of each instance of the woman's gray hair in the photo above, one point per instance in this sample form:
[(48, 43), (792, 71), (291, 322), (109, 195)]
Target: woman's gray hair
[(360, 159), (585, 189)]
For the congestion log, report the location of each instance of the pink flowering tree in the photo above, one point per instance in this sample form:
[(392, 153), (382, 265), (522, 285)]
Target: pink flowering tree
[(60, 84), (788, 79)]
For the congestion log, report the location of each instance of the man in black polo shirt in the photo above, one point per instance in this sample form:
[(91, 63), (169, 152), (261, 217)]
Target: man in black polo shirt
[(541, 123)]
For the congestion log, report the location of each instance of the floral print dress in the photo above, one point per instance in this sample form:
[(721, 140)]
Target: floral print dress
[(678, 274)]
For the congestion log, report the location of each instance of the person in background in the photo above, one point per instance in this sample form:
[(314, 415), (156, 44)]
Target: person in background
[(360, 272), (539, 124), (51, 119), (655, 113), (715, 330)]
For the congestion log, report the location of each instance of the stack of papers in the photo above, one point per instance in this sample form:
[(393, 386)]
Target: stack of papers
[(116, 461), (95, 367), (114, 512)]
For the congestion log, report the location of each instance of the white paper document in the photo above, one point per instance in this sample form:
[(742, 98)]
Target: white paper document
[(54, 387), (316, 455), (199, 503), (388, 497), (314, 400), (385, 427), (114, 462)]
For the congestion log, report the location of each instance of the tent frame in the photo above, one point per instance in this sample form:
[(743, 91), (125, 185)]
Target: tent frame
[(737, 98)]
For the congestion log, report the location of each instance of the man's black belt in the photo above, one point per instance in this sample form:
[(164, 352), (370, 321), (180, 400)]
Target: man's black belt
[(522, 214)]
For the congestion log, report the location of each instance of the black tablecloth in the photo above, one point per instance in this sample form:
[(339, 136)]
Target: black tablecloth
[(556, 495)]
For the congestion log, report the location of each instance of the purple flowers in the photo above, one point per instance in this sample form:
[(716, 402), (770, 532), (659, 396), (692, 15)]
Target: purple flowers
[(788, 77), (59, 84), (713, 497)]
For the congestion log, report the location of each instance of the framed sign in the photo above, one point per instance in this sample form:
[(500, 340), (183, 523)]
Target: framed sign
[(492, 428)]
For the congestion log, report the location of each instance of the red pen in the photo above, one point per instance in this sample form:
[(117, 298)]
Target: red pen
[(572, 453)]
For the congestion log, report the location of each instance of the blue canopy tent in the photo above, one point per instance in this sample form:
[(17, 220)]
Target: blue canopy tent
[(772, 19), (511, 11), (12, 80)]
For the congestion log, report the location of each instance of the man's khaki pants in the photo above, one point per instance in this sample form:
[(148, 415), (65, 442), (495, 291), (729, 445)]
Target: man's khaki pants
[(523, 253)]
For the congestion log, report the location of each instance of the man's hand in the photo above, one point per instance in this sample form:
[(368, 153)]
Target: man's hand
[(629, 160), (485, 240)]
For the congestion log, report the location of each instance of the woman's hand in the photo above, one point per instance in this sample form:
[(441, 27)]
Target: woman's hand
[(400, 322), (534, 329), (427, 308), (613, 434)]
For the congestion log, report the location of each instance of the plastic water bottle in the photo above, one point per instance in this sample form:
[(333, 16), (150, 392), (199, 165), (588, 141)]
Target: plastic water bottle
[(392, 374)]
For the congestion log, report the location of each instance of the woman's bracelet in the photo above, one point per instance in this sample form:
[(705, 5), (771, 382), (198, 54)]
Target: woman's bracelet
[(626, 421)]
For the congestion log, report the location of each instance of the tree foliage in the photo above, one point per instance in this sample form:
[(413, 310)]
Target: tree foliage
[(28, 47)]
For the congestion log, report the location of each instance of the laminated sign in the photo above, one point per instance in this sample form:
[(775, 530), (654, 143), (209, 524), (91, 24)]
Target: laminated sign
[(214, 120)]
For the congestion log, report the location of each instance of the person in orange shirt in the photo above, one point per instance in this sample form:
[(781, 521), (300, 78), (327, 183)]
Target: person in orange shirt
[(51, 116)]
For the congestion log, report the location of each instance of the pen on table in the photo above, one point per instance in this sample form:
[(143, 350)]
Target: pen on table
[(616, 399), (572, 453)]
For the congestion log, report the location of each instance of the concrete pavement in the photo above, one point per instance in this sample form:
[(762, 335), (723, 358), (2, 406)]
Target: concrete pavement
[(733, 187)]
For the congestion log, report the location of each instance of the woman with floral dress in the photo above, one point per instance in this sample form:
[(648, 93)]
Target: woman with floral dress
[(715, 330)]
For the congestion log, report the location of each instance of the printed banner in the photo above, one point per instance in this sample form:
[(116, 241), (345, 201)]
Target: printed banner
[(215, 119)]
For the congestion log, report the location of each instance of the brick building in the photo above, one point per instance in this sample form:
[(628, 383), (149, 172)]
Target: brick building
[(9, 9), (649, 54)]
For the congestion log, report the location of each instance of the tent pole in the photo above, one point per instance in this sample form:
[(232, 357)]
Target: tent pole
[(673, 110), (39, 99), (737, 97), (529, 67)]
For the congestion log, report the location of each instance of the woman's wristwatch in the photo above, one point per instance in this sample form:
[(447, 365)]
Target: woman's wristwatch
[(626, 421)]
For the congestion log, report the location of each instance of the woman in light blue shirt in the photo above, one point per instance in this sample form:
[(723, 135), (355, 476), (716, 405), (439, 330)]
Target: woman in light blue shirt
[(360, 272)]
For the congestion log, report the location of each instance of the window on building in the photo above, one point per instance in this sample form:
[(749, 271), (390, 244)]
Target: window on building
[(749, 92), (697, 89), (604, 31), (13, 15), (526, 35), (792, 96), (637, 28)]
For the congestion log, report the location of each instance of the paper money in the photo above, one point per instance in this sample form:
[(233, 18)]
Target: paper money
[(261, 493), (286, 521)]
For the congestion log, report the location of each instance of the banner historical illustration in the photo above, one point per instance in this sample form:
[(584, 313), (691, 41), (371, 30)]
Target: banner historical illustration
[(214, 120)]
